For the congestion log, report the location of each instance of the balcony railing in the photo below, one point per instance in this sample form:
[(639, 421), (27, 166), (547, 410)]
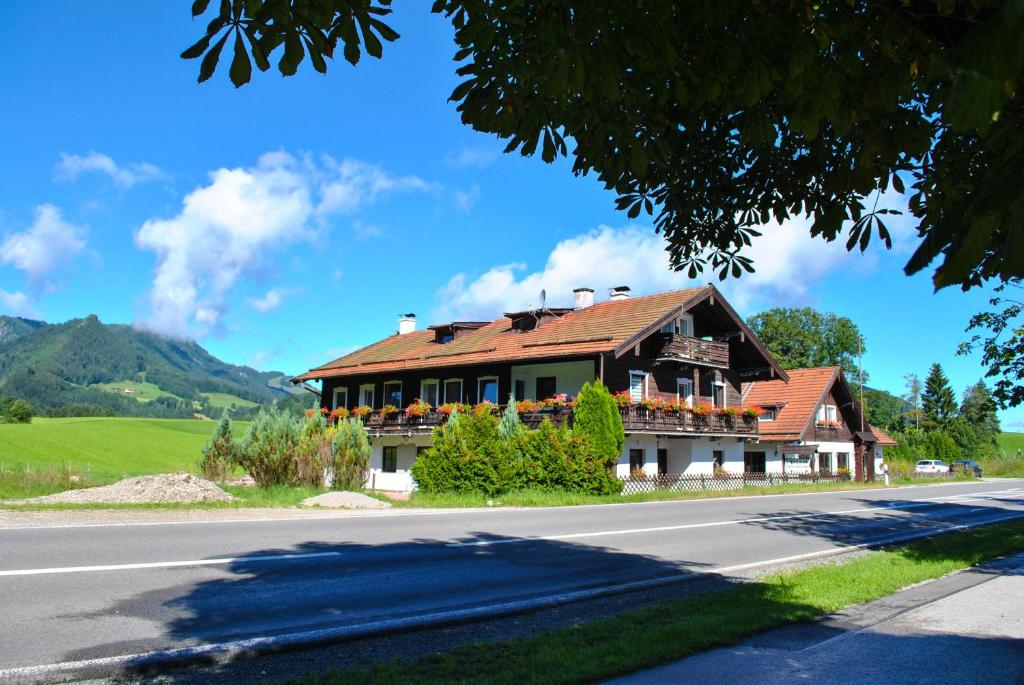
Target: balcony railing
[(825, 433), (634, 420), (656, 421), (693, 350)]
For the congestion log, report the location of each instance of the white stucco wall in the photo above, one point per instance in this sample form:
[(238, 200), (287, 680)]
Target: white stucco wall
[(774, 452), (569, 377), (401, 479), (685, 456)]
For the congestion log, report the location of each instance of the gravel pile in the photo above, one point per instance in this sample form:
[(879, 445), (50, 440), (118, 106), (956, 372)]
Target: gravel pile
[(345, 500), (165, 487)]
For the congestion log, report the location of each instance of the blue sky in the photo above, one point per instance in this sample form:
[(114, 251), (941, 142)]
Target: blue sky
[(292, 220)]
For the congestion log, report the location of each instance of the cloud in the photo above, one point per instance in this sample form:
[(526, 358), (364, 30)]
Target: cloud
[(347, 185), (478, 156), (228, 229), (465, 199), (788, 261), (270, 301), (70, 167), (49, 243), (16, 304)]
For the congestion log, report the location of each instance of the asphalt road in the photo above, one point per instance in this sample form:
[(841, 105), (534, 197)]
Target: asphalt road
[(95, 594)]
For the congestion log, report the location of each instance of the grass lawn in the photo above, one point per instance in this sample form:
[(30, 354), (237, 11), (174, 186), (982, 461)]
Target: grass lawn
[(544, 498), (1009, 443), (105, 449), (224, 400), (629, 642)]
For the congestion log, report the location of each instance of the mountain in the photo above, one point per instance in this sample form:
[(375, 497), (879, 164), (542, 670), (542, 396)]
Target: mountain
[(123, 369)]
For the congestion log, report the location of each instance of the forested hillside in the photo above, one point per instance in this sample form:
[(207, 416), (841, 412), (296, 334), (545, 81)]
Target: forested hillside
[(87, 362)]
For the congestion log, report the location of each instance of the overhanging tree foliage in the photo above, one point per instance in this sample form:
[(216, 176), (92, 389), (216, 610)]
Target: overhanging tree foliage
[(717, 117), (1003, 349)]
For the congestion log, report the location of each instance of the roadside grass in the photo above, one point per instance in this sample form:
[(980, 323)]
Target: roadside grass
[(643, 638), (248, 498), (559, 498), (105, 449)]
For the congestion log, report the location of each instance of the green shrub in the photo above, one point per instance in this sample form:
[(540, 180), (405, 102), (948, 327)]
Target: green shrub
[(315, 451), (220, 454), (19, 411), (351, 455), (597, 417), (269, 448), (510, 426), (941, 446)]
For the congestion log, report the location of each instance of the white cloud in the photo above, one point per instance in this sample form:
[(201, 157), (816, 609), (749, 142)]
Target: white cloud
[(270, 301), (227, 230), (49, 243), (347, 185), (472, 157), (71, 167), (788, 263), (465, 199), (16, 304)]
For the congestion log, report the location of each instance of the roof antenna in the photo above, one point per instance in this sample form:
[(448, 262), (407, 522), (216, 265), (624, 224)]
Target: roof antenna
[(543, 298)]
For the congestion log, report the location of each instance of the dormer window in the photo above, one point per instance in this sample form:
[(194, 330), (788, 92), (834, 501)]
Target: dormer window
[(446, 333)]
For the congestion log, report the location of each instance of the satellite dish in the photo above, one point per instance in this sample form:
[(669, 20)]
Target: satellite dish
[(543, 297)]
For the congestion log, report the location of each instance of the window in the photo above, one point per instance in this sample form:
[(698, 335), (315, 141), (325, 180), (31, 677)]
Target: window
[(718, 395), (340, 398), (366, 395), (842, 460), (681, 326), (684, 391), (825, 462), (420, 450), (545, 387), (718, 457), (769, 413), (754, 462), (662, 461), (393, 393), (429, 391), (826, 413), (390, 464), (487, 389), (453, 390), (636, 460), (520, 390), (637, 385)]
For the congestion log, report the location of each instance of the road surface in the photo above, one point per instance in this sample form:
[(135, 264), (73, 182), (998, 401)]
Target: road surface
[(100, 596)]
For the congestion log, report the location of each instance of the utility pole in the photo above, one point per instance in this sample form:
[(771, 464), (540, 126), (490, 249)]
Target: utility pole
[(860, 372)]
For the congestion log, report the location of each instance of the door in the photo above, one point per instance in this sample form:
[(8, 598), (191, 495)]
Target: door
[(662, 461), (754, 462), (545, 387)]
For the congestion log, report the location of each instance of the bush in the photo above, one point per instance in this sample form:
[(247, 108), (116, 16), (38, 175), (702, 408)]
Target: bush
[(351, 455), (597, 416), (19, 411), (470, 454), (220, 454), (315, 452), (268, 450)]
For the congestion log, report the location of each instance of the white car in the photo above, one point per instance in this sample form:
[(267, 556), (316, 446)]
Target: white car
[(931, 466)]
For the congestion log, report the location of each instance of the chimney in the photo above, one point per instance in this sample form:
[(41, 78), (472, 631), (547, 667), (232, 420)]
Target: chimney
[(406, 323), (584, 297), (619, 293)]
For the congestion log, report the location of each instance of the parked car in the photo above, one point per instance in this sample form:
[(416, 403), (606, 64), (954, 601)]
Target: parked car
[(931, 466), (966, 466)]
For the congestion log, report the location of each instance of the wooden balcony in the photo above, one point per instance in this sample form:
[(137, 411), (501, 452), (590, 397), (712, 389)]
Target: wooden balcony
[(634, 420), (686, 424), (825, 433), (684, 348)]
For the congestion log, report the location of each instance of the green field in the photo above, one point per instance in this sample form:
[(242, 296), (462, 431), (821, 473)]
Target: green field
[(105, 449), (1011, 443), (143, 392), (224, 400)]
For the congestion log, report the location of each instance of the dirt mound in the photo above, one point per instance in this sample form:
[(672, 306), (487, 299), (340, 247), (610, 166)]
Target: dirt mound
[(165, 487)]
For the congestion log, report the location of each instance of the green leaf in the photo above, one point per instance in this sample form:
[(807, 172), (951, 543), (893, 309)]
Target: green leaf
[(293, 54), (316, 57), (197, 49), (897, 183), (241, 67), (199, 6), (351, 51), (209, 64)]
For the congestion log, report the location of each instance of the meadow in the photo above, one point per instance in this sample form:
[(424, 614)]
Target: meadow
[(1011, 443), (104, 449)]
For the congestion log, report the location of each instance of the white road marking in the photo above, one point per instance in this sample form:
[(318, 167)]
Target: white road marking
[(926, 502), (390, 626), (165, 564)]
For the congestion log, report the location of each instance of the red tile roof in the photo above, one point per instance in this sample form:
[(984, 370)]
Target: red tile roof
[(883, 437), (598, 328), (800, 397)]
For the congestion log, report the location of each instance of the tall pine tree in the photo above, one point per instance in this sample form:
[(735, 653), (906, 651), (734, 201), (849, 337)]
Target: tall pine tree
[(979, 410), (938, 403)]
